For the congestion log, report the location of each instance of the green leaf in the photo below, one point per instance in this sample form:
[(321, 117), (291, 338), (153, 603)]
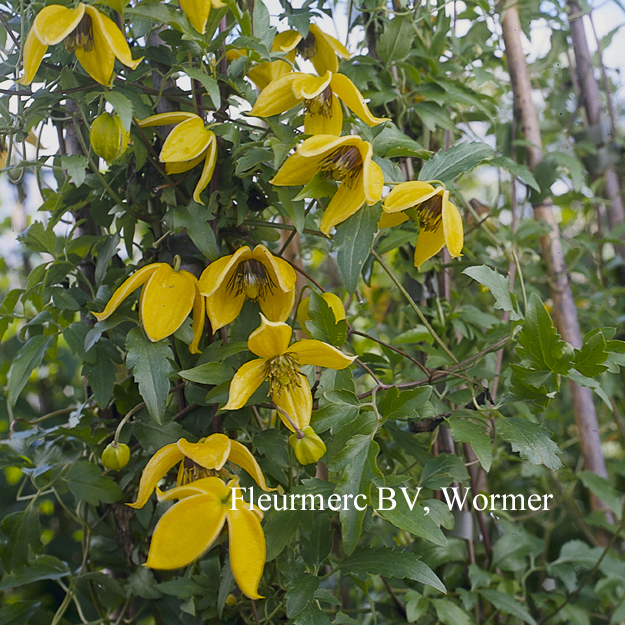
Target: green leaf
[(450, 614), (18, 612), (87, 484), (600, 487), (539, 341), (588, 360), (194, 217), (318, 544), (434, 116), (151, 366), (153, 435), (404, 405), (261, 23), (301, 591), (28, 358), (142, 583), (209, 83), (464, 431), (396, 40), (499, 286), (531, 440), (316, 188), (122, 105), (343, 408), (507, 604), (516, 169), (270, 443), (442, 471), (279, 529), (101, 370), (391, 563), (40, 568), (353, 241), (445, 166), (323, 326), (208, 373), (311, 615), (38, 238), (76, 164), (24, 536)]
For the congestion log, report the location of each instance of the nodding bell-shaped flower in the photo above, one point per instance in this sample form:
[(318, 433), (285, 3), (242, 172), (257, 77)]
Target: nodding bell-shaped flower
[(198, 11), (318, 47), (439, 220), (186, 146), (258, 276), (347, 160), (190, 527), (167, 299), (280, 364), (320, 97), (91, 35)]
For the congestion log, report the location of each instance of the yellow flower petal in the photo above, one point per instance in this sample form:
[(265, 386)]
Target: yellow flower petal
[(182, 166), (270, 338), (286, 41), (199, 315), (187, 140), (278, 305), (344, 204), (331, 124), (407, 195), (209, 167), (348, 92), (197, 11), (336, 45), (134, 282), (296, 401), (297, 170), (113, 37), (428, 244), (278, 96), (245, 382), (242, 457), (55, 22), (320, 145), (452, 227), (166, 119), (155, 470), (220, 270), (372, 176), (324, 58), (33, 53), (388, 220), (211, 453), (320, 354), (311, 86), (99, 61), (198, 487), (247, 549), (281, 272), (264, 73), (167, 300), (186, 531)]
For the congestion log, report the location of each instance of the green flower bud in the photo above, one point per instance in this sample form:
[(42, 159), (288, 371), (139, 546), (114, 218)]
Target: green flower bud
[(116, 456), (109, 138), (309, 448)]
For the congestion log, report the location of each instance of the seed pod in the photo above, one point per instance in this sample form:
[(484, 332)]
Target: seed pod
[(109, 138), (115, 456), (308, 449)]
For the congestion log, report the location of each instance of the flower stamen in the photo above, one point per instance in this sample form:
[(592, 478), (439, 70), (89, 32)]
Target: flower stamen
[(189, 471), (342, 165), (307, 47), (252, 279), (282, 372), (430, 213), (320, 104), (81, 36)]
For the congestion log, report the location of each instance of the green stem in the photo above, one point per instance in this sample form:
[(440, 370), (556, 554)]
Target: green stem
[(412, 303)]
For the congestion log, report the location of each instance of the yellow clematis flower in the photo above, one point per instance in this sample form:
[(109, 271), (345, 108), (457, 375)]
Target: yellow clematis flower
[(439, 220), (348, 160), (280, 363), (191, 526), (323, 112), (258, 276), (91, 35), (198, 11), (186, 146), (167, 299)]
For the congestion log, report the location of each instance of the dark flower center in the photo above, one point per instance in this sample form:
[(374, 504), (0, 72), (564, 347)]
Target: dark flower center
[(430, 213), (189, 471), (252, 279), (307, 47), (342, 165), (81, 36), (321, 104)]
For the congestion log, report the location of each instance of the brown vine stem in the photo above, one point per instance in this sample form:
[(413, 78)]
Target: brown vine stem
[(414, 306)]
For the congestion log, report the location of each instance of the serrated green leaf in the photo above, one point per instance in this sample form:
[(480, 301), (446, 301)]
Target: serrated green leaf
[(353, 241), (194, 217), (600, 487), (516, 169), (209, 83), (342, 408), (531, 440), (101, 370), (301, 591), (405, 404), (38, 238), (499, 286), (588, 360), (87, 484), (461, 158), (24, 535), (318, 544), (28, 358), (396, 40), (464, 431), (450, 614), (151, 367), (391, 563), (76, 164), (311, 615), (507, 604), (40, 568), (442, 471), (208, 373)]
